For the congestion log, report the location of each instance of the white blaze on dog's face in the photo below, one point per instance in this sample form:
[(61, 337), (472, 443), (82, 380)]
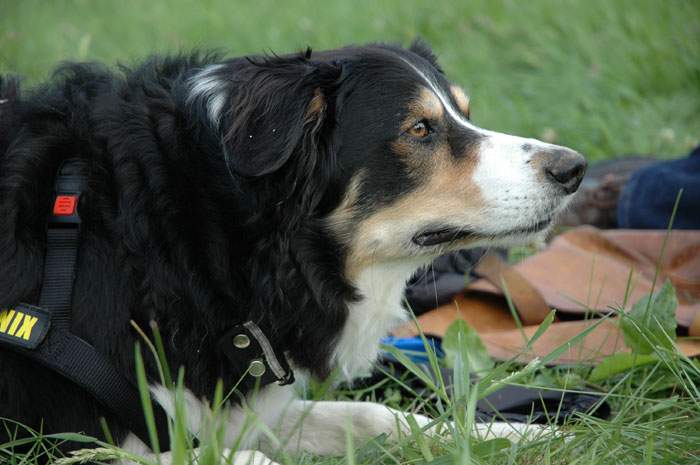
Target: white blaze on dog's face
[(426, 180)]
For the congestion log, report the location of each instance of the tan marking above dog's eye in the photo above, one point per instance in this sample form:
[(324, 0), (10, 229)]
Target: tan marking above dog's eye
[(420, 130), (462, 100)]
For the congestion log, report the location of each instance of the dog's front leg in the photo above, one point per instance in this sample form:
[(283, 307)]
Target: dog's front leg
[(241, 457), (248, 457), (322, 427)]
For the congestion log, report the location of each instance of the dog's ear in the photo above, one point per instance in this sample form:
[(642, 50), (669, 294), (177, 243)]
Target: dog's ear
[(422, 49), (278, 105)]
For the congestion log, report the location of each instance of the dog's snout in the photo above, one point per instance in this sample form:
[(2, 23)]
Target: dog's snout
[(565, 168)]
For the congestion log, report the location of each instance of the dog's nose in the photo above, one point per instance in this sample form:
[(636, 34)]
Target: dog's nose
[(566, 168)]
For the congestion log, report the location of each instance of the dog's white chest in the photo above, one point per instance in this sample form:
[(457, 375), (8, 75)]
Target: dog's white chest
[(381, 287)]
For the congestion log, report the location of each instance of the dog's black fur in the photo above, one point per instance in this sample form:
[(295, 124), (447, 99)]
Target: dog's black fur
[(196, 224)]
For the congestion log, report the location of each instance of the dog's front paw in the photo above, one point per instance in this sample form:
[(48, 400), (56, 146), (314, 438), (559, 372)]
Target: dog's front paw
[(515, 432), (247, 457)]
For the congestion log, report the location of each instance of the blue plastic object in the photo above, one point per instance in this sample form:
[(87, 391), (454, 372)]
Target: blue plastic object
[(413, 347)]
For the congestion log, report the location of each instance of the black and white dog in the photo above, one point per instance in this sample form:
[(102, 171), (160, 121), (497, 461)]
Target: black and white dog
[(297, 192)]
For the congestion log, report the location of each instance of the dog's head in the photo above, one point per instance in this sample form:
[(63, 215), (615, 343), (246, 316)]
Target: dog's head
[(409, 174), (371, 151)]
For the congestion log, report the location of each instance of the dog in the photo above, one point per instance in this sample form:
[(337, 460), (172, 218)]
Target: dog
[(296, 192)]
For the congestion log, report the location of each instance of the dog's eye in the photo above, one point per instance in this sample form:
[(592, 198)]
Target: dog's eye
[(420, 130)]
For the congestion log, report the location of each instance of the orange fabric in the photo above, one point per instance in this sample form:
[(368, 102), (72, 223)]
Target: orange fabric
[(694, 328), (485, 313), (529, 303), (603, 341), (583, 271), (504, 340), (586, 269)]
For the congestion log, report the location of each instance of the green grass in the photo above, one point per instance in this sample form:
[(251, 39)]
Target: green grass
[(605, 77), (655, 420)]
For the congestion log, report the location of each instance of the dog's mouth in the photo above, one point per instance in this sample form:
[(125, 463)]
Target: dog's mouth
[(440, 236), (446, 234)]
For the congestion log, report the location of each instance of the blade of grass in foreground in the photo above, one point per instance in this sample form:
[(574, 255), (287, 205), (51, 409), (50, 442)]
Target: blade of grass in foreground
[(146, 401)]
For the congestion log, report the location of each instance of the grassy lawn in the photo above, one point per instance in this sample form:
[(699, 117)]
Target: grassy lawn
[(605, 77)]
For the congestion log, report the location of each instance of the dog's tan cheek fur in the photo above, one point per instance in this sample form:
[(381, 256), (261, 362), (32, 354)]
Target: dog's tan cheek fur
[(415, 165), (449, 192)]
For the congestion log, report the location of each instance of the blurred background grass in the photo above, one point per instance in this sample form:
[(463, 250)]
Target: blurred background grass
[(605, 77)]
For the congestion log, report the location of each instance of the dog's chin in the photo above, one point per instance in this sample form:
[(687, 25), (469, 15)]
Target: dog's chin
[(446, 237), (513, 240)]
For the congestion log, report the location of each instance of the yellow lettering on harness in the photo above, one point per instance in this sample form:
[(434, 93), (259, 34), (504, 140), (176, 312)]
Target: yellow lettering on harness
[(5, 319), (15, 324), (25, 332)]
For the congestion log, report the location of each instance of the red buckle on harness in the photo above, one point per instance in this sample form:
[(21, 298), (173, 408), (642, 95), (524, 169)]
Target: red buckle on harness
[(65, 205)]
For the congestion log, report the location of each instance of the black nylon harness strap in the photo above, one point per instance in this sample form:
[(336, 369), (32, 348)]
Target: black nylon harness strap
[(64, 352), (59, 274), (46, 330), (62, 243), (78, 361)]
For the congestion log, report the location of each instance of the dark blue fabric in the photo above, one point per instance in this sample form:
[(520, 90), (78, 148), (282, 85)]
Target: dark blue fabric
[(646, 201)]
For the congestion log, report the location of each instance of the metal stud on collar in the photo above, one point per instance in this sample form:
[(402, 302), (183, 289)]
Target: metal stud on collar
[(246, 343), (256, 368), (241, 341)]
